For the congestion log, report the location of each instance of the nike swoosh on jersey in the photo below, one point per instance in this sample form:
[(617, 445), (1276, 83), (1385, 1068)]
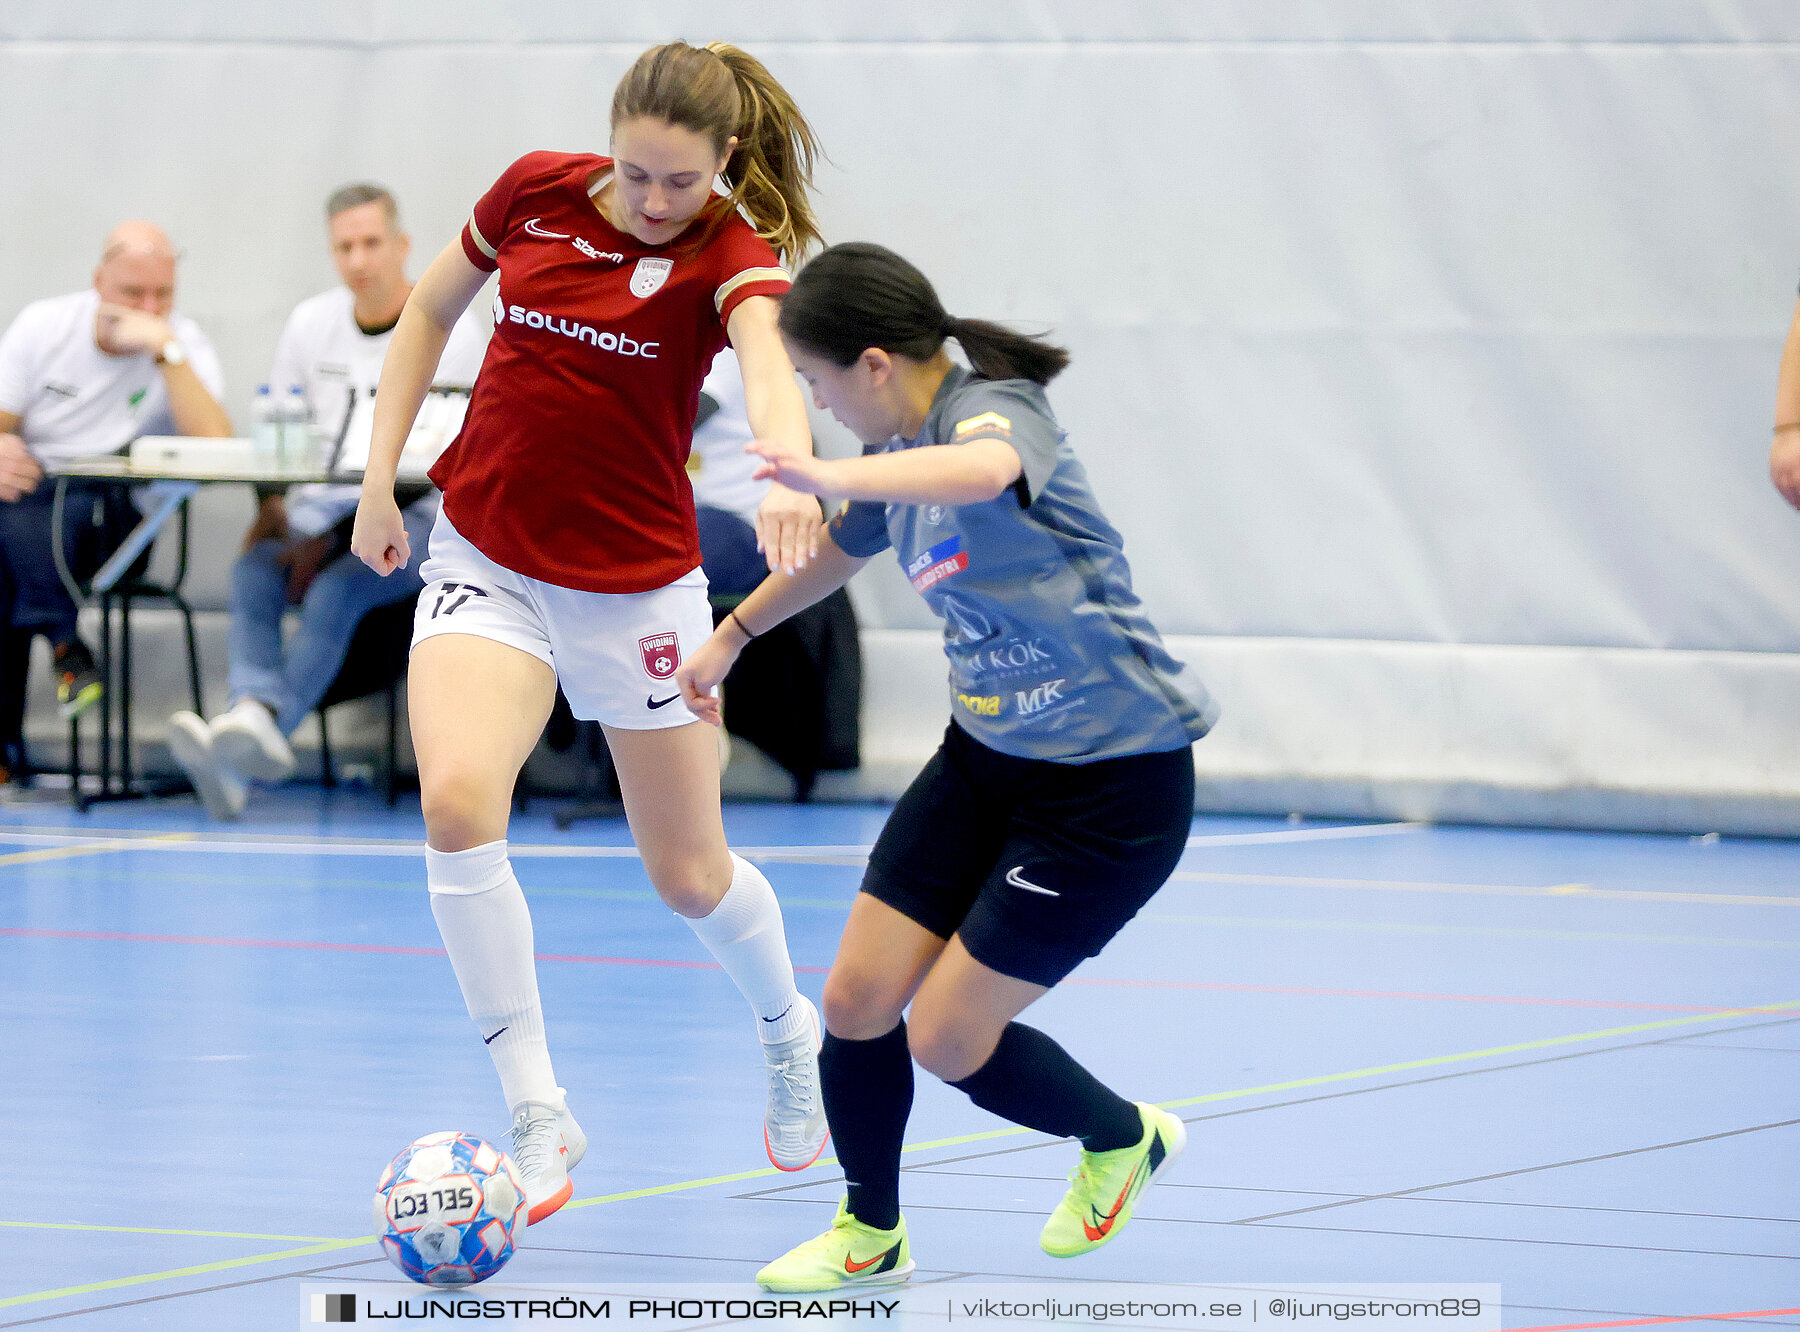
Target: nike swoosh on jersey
[(1018, 880), (533, 227), (659, 702)]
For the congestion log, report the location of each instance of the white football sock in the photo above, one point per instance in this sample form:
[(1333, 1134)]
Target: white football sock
[(486, 925), (745, 934)]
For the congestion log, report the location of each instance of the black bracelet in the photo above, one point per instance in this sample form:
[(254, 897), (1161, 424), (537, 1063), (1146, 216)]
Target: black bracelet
[(744, 629)]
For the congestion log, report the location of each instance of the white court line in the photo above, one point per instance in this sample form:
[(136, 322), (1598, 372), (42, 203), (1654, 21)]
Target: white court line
[(1306, 834), (130, 839)]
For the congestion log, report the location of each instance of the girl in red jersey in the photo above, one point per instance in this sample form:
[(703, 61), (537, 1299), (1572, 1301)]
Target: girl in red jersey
[(566, 548)]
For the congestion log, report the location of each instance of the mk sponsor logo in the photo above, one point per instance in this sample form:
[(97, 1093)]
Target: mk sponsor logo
[(981, 705), (61, 390), (1043, 696), (940, 562)]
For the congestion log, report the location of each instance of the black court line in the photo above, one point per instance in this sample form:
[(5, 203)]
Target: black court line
[(1522, 1239), (1341, 1230), (183, 1294), (1302, 1100), (1164, 1187), (1758, 1049), (1523, 1170)]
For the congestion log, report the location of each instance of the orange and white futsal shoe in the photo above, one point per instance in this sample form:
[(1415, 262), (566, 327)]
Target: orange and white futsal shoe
[(794, 1128), (547, 1145)]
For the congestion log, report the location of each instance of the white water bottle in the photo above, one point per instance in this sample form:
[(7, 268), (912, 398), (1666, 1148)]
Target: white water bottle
[(265, 417), (296, 429)]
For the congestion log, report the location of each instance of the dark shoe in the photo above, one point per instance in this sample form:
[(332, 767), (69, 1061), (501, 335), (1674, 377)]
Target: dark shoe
[(78, 683)]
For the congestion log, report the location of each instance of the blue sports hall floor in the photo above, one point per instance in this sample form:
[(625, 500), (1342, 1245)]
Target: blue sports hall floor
[(1565, 1062)]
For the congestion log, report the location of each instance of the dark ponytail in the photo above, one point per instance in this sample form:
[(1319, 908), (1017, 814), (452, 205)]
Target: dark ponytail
[(856, 296)]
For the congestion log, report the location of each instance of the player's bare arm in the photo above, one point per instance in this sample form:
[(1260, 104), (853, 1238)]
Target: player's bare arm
[(19, 471), (788, 523), (774, 600), (936, 474), (437, 302), (1784, 452)]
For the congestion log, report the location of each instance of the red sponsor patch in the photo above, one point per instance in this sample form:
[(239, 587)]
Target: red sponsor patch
[(661, 653)]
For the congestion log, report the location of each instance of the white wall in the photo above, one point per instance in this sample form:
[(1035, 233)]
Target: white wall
[(1451, 324)]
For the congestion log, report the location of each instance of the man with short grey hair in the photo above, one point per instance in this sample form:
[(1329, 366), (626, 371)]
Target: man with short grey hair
[(83, 375), (296, 554)]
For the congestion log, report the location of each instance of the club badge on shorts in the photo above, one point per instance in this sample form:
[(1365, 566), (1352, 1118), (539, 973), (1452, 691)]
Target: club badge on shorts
[(661, 653), (649, 275)]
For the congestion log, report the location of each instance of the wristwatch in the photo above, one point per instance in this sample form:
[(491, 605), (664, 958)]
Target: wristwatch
[(172, 353)]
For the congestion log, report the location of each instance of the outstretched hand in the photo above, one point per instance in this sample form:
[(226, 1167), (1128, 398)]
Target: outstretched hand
[(699, 677), (788, 466), (789, 526)]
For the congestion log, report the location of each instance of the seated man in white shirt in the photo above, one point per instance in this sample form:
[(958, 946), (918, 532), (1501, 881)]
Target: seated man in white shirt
[(83, 375), (296, 553)]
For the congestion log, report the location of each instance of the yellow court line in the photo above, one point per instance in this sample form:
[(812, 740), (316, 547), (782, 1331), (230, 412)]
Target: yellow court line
[(199, 1270), (937, 1143), (155, 1230), (89, 848)]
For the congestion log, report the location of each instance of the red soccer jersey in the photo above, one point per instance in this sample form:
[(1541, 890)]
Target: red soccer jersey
[(570, 467)]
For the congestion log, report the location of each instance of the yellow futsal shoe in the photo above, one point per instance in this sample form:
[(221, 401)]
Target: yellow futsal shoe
[(849, 1254), (1104, 1188)]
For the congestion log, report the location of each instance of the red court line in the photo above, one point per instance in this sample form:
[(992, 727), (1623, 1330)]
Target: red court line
[(322, 947), (1645, 1322)]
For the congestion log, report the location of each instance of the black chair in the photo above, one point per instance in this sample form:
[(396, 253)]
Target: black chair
[(375, 663), (796, 691), (116, 675)]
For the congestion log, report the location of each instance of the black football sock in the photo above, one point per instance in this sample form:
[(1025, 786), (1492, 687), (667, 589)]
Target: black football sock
[(1032, 1080), (868, 1087)]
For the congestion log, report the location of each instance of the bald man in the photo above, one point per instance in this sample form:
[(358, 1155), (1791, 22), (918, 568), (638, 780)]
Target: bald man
[(83, 375)]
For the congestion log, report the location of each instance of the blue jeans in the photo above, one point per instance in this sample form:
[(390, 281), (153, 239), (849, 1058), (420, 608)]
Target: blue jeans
[(292, 678)]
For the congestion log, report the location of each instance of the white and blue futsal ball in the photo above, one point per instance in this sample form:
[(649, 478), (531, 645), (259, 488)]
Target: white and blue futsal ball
[(448, 1208)]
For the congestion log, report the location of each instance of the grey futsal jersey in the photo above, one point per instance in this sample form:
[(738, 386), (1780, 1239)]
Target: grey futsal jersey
[(1051, 656)]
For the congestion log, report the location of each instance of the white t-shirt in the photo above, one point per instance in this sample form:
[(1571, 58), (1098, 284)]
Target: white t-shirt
[(326, 354), (718, 467), (76, 401)]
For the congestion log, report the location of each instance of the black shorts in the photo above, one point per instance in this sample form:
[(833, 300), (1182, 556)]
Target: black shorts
[(1034, 865)]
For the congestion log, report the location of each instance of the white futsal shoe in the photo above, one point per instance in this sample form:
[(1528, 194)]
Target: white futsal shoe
[(247, 741), (220, 789), (794, 1128), (547, 1145)]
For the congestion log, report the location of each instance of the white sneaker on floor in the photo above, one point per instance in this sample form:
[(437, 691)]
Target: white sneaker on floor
[(794, 1127), (547, 1145), (222, 791), (246, 740)]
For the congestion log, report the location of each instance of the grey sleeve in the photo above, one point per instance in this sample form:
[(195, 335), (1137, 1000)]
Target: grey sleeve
[(860, 529), (1006, 411)]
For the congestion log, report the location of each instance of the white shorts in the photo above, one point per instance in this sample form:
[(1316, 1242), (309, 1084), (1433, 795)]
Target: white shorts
[(614, 654)]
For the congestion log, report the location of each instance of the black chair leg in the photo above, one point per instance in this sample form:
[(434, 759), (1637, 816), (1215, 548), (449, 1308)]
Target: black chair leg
[(393, 744), (193, 649), (327, 769)]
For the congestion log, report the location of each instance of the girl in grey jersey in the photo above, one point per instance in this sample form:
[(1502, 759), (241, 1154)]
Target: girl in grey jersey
[(1062, 796)]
